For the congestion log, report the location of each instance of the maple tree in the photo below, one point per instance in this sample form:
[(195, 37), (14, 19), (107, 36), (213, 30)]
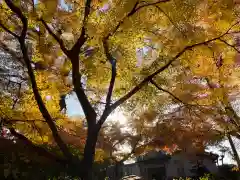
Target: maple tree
[(124, 57), (219, 87)]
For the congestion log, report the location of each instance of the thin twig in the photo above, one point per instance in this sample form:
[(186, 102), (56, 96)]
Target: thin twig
[(169, 18), (230, 45), (135, 9), (7, 30), (58, 39), (164, 90)]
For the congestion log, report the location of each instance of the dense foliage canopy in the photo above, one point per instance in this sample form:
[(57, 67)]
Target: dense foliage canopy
[(170, 66)]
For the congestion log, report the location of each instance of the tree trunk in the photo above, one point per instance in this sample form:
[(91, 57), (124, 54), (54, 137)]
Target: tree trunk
[(236, 157), (41, 104), (89, 152)]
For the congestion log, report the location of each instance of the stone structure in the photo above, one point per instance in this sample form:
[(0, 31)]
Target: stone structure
[(160, 166), (184, 164)]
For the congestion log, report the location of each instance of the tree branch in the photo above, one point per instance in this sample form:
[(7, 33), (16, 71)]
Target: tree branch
[(73, 55), (88, 109), (108, 109), (230, 45), (166, 91), (113, 62), (36, 93), (82, 97), (234, 119), (132, 151), (20, 15), (26, 121), (33, 6), (135, 9), (179, 30), (123, 19), (81, 40), (58, 39), (148, 78), (7, 30), (147, 4), (37, 149), (235, 134), (153, 3), (26, 141)]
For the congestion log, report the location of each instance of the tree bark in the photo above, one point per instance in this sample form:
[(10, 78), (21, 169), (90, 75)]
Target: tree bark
[(89, 152), (22, 40), (41, 105), (233, 149)]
